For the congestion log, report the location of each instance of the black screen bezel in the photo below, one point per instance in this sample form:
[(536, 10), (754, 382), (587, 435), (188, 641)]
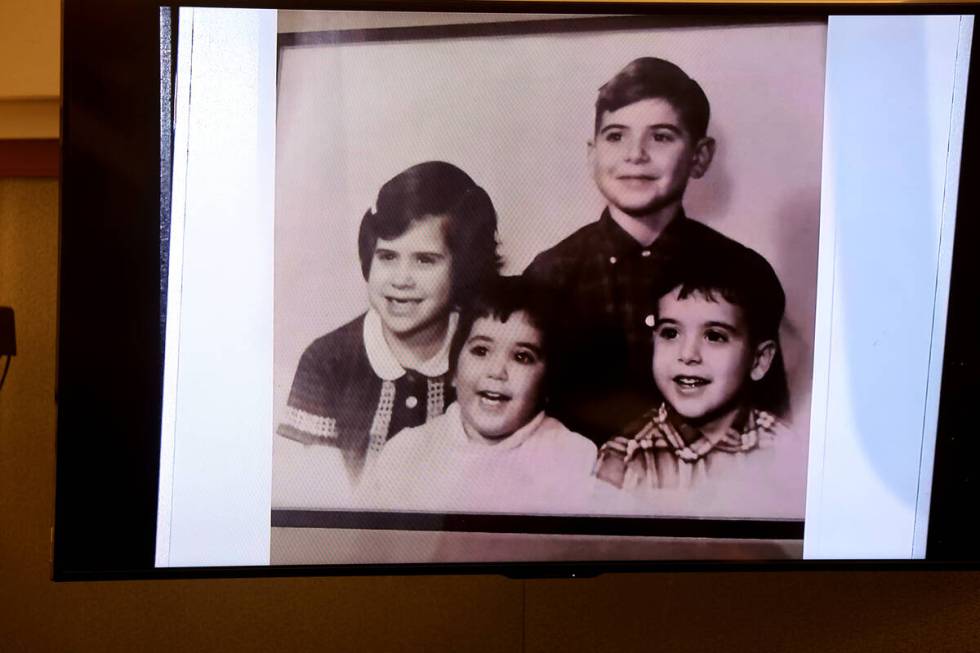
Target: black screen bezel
[(110, 346)]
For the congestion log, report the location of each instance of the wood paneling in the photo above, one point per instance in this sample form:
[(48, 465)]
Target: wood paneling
[(29, 158)]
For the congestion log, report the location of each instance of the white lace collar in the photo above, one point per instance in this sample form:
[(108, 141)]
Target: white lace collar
[(383, 361)]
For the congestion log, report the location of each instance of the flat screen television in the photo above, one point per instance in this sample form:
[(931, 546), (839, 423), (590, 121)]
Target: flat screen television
[(524, 288)]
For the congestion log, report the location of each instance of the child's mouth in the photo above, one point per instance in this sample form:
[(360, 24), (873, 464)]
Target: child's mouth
[(401, 305), (490, 399), (691, 382), (635, 180)]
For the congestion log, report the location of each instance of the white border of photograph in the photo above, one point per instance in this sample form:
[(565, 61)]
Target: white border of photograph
[(862, 492)]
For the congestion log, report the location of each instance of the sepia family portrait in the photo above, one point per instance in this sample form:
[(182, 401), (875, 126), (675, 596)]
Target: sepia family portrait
[(562, 267)]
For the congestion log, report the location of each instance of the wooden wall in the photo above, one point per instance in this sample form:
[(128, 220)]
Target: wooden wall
[(30, 68)]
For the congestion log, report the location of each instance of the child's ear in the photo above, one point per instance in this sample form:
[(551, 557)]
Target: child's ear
[(704, 152), (762, 361)]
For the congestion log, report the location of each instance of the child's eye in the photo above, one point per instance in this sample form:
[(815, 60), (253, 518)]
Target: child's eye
[(663, 137), (667, 333), (427, 259), (525, 357), (479, 351), (384, 255), (716, 336), (613, 137)]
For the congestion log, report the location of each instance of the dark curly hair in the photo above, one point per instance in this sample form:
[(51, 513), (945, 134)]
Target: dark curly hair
[(499, 298), (744, 278), (437, 188), (649, 77)]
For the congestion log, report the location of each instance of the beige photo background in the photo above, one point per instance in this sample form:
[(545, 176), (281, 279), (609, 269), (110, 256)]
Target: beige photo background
[(869, 611), (516, 113)]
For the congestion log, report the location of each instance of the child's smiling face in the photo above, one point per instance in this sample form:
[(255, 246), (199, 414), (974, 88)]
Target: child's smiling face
[(409, 283), (703, 356), (499, 376), (643, 157)]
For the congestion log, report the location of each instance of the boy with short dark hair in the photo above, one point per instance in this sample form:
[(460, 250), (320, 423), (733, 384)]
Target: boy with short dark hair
[(720, 443), (650, 139)]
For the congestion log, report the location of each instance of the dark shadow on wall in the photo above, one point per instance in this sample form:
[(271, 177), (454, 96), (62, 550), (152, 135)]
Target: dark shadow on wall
[(798, 232), (712, 195)]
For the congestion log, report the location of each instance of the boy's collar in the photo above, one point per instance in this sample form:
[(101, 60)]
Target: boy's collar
[(690, 444), (623, 243), (383, 361), (690, 434)]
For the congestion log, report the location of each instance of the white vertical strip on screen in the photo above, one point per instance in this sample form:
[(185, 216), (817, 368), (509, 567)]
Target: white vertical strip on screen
[(943, 273), (221, 465), (172, 339), (887, 133), (826, 255)]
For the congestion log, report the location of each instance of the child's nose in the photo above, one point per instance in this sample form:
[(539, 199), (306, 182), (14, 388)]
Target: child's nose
[(402, 276), (690, 351), (636, 150), (497, 368)]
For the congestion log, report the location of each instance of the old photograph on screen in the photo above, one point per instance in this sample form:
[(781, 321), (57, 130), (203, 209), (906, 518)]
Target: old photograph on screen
[(561, 267)]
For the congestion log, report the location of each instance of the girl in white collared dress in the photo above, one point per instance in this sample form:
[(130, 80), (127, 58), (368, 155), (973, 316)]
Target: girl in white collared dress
[(431, 237)]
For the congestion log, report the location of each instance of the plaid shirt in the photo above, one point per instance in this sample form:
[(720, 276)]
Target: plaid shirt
[(663, 451), (606, 287), (662, 465)]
